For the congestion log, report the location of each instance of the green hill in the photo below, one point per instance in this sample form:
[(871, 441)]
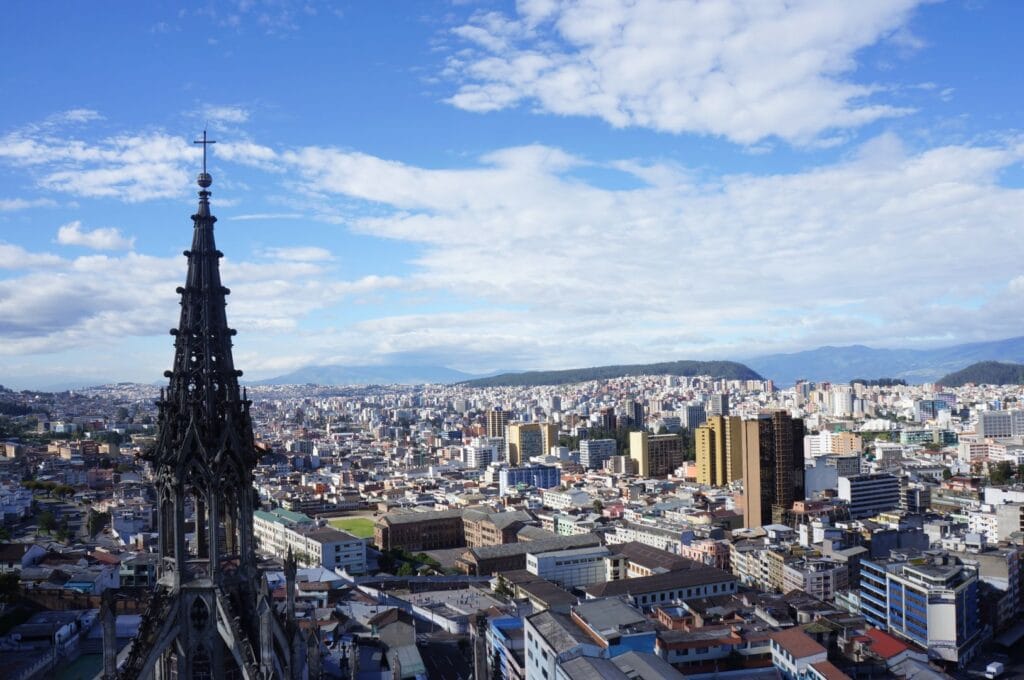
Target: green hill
[(729, 370), (986, 373)]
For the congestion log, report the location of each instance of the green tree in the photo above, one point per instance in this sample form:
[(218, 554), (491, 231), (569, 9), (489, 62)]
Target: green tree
[(406, 569), (47, 522), (1001, 473), (9, 587), (947, 473), (598, 505), (96, 522)]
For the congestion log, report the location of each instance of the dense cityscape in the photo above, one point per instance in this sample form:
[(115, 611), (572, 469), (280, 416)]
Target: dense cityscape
[(512, 340), (583, 530)]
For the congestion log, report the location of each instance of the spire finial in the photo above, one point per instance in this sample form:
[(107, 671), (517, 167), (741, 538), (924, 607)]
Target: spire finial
[(204, 177)]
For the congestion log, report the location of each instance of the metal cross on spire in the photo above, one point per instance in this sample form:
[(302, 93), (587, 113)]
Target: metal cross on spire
[(205, 142)]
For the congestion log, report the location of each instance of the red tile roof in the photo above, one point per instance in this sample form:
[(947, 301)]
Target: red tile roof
[(885, 645), (829, 672), (797, 642)]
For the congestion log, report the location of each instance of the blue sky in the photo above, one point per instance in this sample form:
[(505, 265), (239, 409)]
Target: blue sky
[(498, 185)]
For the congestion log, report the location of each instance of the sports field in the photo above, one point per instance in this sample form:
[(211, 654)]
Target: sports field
[(360, 527)]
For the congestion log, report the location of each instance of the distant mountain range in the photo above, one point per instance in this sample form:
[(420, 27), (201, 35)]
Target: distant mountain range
[(389, 374), (842, 364), (719, 369), (986, 373)]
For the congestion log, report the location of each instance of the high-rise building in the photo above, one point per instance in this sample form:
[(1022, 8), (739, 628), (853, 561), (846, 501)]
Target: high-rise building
[(210, 616), (773, 467), (693, 415), (594, 452), (526, 440), (931, 599), (634, 413), (758, 471), (482, 451), (656, 455), (718, 405), (868, 495), (497, 419), (719, 450), (607, 419)]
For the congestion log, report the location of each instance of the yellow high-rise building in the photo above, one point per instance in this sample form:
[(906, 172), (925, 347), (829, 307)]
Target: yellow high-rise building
[(719, 450), (656, 455), (526, 440), (704, 444)]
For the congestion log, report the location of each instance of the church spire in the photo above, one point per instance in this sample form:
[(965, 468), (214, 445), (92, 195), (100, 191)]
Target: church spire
[(203, 619)]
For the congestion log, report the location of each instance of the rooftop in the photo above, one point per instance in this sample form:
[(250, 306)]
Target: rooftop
[(653, 558), (610, 615), (413, 517), (560, 633), (698, 576), (798, 643)]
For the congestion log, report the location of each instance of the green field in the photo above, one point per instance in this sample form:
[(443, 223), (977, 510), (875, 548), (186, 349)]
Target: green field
[(360, 527)]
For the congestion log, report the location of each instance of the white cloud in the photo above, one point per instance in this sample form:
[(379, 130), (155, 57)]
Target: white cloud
[(684, 266), (108, 238), (742, 69), (77, 116), (55, 304), (225, 114), (298, 254), (132, 168), (12, 204)]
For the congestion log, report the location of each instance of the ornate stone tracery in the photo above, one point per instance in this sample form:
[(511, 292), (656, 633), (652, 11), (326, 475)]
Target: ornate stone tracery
[(211, 615)]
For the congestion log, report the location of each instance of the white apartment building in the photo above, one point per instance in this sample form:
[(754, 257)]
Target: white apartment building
[(482, 452), (313, 546), (570, 568), (869, 495), (983, 521), (565, 500), (818, 577)]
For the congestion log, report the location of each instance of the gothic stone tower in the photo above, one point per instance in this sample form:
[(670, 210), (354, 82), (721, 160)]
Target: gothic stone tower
[(211, 615)]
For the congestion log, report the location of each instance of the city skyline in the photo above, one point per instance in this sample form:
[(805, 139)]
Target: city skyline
[(486, 186)]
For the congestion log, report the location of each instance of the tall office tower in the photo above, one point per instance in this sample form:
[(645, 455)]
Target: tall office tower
[(718, 404), (693, 415), (773, 467), (497, 419), (526, 440), (656, 455), (608, 421), (704, 446), (594, 452), (212, 614), (481, 452), (634, 411), (789, 463), (555, 403), (719, 450), (758, 471), (549, 436)]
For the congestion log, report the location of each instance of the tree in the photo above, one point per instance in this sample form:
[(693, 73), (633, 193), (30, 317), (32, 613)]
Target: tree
[(598, 505), (96, 522), (1001, 473), (947, 473), (9, 586), (47, 522), (406, 570), (63, 531)]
